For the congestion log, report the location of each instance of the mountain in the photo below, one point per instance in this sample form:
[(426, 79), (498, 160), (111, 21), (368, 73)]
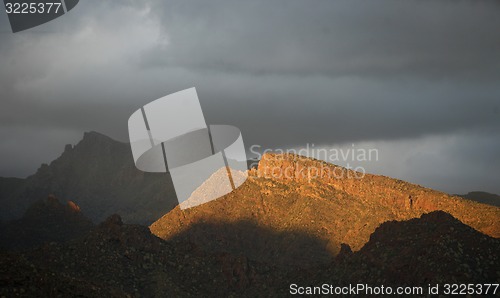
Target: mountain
[(45, 221), (99, 175), (483, 197), (335, 210), (305, 227)]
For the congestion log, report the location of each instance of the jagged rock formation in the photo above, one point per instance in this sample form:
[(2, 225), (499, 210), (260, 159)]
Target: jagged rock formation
[(99, 175)]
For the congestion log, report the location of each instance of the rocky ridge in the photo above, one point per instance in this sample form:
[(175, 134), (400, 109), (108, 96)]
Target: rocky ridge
[(335, 209)]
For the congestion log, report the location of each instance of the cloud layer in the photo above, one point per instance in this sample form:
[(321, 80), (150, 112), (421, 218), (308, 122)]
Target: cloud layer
[(287, 73)]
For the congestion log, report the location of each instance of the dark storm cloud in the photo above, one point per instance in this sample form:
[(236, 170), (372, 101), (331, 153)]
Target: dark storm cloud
[(456, 163), (433, 39), (336, 71), (356, 69), (353, 110), (286, 72)]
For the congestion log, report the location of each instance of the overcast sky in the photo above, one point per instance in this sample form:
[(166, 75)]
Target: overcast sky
[(418, 80)]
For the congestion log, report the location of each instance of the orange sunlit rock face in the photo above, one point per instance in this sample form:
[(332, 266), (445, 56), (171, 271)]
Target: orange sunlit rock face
[(336, 209)]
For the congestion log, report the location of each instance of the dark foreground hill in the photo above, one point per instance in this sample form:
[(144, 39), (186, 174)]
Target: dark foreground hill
[(119, 260), (45, 221), (99, 175)]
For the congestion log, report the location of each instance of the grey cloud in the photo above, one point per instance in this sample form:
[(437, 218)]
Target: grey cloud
[(456, 163), (436, 39), (24, 149), (286, 73), (460, 164)]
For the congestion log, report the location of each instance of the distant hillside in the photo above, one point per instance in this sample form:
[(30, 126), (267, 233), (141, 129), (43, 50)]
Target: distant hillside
[(483, 197), (99, 175), (45, 221)]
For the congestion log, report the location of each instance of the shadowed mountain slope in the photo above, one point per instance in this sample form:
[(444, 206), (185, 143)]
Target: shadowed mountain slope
[(99, 175)]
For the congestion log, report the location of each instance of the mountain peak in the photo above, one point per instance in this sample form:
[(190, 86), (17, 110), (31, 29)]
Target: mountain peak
[(95, 136), (98, 143)]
